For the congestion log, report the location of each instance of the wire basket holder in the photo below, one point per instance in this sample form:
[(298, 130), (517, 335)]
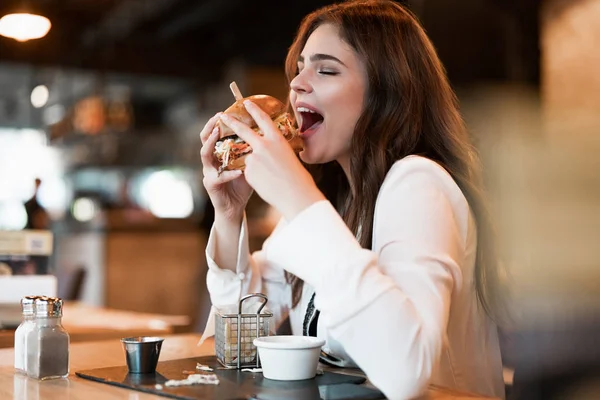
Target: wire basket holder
[(235, 333)]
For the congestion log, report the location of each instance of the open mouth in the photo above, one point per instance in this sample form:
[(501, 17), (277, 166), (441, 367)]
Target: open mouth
[(309, 119)]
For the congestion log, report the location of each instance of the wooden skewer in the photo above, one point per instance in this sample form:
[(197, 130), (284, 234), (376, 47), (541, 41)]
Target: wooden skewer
[(236, 91)]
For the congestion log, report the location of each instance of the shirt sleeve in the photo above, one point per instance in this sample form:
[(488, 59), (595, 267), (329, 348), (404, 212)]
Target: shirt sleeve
[(253, 274), (388, 307)]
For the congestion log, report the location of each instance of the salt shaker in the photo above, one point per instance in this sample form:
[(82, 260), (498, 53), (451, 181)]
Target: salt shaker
[(48, 342), (22, 332)]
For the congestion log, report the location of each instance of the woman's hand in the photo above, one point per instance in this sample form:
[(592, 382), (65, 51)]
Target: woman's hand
[(229, 192), (273, 170)]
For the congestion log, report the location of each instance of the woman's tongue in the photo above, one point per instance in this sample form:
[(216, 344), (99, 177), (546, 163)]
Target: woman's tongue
[(309, 120)]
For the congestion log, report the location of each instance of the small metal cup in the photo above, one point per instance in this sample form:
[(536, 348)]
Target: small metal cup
[(142, 353)]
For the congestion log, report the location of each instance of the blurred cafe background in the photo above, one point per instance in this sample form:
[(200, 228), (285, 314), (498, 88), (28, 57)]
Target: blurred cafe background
[(102, 102)]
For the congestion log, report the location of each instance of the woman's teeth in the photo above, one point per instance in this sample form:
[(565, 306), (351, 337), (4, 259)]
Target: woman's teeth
[(304, 109)]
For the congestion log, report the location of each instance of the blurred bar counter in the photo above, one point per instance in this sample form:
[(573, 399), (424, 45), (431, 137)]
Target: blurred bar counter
[(136, 262), (86, 323)]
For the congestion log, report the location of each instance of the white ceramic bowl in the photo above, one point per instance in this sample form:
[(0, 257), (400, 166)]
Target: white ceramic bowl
[(289, 358)]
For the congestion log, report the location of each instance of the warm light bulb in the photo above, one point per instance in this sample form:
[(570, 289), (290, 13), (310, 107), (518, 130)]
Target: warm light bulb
[(23, 27), (84, 209), (39, 96)]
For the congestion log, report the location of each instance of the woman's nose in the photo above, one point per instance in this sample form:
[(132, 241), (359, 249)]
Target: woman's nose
[(300, 84)]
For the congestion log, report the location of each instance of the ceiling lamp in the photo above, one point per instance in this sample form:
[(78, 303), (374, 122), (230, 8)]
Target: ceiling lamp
[(24, 26)]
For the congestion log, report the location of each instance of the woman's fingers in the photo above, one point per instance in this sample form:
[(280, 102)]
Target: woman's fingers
[(242, 130), (207, 151), (210, 172), (262, 119), (212, 178), (208, 128)]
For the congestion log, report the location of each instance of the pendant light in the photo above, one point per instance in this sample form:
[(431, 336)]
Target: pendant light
[(24, 23)]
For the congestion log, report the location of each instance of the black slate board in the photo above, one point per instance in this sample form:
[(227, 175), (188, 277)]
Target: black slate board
[(234, 384)]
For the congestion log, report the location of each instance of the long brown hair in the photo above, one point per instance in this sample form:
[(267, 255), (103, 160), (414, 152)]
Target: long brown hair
[(409, 108)]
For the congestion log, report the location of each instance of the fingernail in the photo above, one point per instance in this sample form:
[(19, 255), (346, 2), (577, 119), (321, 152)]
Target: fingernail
[(224, 116), (215, 131), (247, 102)]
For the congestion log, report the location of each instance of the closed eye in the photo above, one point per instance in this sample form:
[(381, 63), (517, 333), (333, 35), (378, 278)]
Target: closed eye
[(328, 72)]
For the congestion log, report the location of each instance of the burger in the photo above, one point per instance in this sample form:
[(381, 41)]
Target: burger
[(231, 150)]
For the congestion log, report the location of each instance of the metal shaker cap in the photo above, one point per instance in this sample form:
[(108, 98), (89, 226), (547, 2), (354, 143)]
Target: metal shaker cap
[(28, 305), (48, 307)]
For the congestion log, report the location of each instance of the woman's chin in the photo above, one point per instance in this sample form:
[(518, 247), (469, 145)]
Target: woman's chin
[(305, 156), (309, 157)]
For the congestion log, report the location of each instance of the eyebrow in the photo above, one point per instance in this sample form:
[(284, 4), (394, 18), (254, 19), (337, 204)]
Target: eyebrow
[(321, 57)]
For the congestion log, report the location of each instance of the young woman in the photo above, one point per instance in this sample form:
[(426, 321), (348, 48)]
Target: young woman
[(396, 270)]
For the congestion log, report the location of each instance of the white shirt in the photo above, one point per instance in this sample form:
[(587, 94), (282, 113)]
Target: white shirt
[(406, 312)]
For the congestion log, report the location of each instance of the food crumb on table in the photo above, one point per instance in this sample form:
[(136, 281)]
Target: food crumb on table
[(253, 370), (203, 367), (194, 379)]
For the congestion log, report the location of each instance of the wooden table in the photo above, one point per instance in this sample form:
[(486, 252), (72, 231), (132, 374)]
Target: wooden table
[(109, 353), (86, 323)]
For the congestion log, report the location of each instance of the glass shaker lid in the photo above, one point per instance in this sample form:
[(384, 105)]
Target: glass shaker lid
[(28, 304), (48, 307)]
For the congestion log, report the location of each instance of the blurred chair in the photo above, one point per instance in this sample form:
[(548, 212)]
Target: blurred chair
[(508, 358), (557, 361), (70, 283)]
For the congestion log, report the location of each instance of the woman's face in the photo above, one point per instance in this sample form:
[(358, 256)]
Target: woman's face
[(327, 96)]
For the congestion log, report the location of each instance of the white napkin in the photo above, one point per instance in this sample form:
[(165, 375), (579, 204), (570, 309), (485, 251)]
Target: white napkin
[(209, 329)]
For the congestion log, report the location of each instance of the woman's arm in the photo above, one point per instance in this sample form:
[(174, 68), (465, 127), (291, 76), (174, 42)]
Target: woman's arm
[(243, 272), (226, 230), (389, 307)]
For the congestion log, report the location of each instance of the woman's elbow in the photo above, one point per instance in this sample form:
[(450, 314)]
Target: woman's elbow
[(412, 377), (409, 386)]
